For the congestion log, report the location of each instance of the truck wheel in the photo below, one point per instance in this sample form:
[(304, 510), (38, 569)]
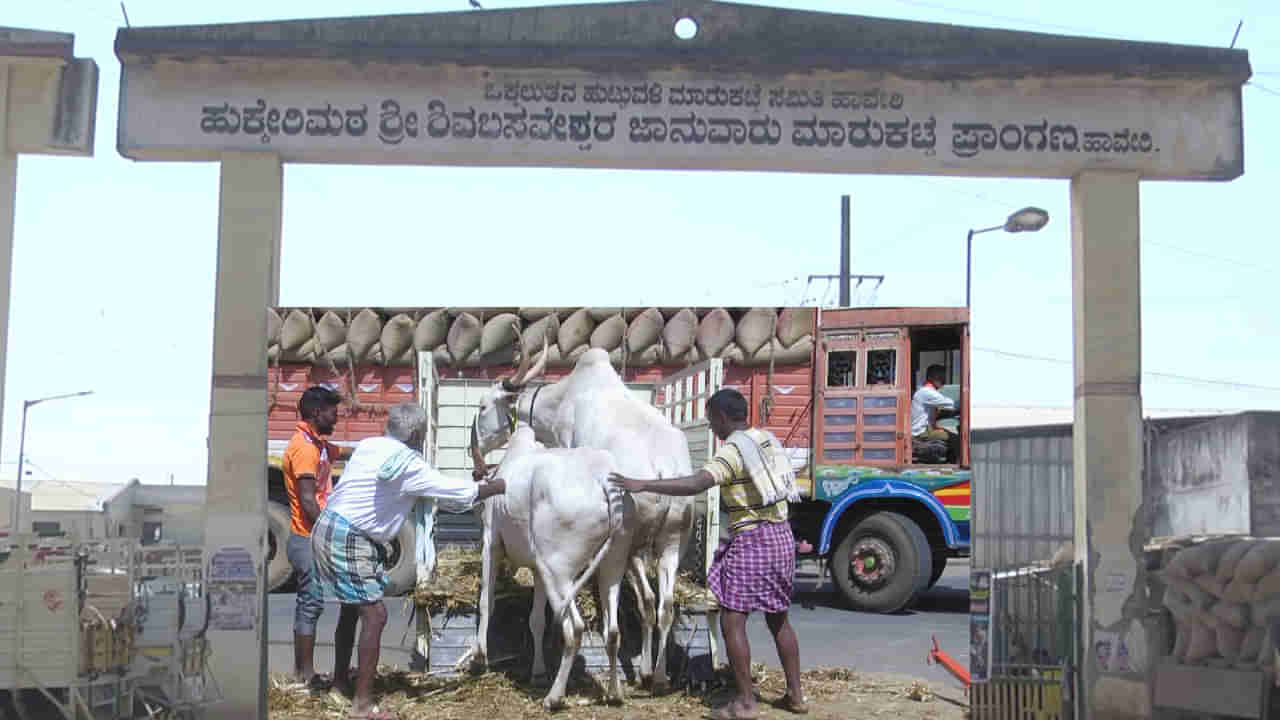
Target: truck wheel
[(402, 569), (939, 565), (279, 571), (882, 563)]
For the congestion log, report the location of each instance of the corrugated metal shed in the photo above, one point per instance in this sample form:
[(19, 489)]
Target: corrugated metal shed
[(1023, 495)]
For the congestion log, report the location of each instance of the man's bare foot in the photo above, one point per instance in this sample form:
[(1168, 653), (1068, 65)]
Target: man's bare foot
[(735, 710)]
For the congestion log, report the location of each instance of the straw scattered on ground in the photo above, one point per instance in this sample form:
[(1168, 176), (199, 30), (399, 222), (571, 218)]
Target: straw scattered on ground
[(455, 587), (832, 693)]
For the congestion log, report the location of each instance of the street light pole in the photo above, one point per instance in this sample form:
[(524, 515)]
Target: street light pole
[(1028, 219), (22, 449)]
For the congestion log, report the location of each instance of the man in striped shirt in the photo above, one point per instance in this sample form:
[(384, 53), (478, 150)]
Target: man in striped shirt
[(755, 569)]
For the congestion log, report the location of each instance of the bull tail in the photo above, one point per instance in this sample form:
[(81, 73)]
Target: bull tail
[(615, 523)]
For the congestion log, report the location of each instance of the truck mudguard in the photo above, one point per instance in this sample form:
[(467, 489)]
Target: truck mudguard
[(886, 488)]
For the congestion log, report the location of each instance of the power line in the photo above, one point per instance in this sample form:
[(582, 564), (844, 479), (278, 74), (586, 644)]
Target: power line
[(1166, 376), (1263, 88), (1026, 21)]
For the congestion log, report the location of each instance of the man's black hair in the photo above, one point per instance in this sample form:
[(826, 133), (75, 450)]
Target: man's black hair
[(730, 402), (315, 399), (937, 373)]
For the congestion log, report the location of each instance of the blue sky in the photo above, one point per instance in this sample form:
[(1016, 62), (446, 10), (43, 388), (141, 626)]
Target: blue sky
[(114, 260)]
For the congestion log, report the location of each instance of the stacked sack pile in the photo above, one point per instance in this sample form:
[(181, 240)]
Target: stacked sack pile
[(1221, 594), (467, 337)]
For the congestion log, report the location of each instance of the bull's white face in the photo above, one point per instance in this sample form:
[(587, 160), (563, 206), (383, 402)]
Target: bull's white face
[(493, 422)]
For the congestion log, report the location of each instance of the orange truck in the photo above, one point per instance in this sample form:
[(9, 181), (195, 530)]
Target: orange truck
[(837, 392)]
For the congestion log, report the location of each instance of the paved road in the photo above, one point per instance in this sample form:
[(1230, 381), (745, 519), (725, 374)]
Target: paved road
[(829, 635)]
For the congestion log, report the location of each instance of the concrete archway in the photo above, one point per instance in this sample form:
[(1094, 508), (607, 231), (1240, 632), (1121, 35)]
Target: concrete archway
[(755, 88)]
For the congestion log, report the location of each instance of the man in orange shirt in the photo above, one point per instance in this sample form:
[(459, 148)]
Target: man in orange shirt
[(306, 478)]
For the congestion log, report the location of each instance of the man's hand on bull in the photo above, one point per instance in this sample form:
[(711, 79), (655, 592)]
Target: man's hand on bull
[(629, 484), (687, 485), (490, 487)]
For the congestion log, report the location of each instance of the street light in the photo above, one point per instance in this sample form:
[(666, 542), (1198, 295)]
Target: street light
[(22, 446), (1028, 219)]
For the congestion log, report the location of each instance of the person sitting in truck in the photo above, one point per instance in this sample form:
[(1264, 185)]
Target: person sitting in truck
[(306, 465), (930, 443), (383, 479), (755, 569)]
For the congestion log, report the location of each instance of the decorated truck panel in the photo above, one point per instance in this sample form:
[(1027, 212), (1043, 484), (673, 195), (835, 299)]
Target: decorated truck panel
[(833, 385)]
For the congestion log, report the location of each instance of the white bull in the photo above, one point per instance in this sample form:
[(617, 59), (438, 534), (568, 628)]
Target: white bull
[(561, 518), (592, 408)]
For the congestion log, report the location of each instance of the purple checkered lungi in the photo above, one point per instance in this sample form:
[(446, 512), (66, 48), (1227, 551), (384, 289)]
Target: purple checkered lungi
[(755, 569)]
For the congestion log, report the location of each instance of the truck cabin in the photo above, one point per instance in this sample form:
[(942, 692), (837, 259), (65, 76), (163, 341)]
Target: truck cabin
[(870, 364)]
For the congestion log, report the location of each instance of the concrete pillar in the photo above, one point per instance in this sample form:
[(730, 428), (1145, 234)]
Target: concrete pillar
[(248, 280), (1109, 526), (8, 199)]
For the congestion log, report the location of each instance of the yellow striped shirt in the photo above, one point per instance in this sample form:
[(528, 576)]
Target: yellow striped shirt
[(739, 498)]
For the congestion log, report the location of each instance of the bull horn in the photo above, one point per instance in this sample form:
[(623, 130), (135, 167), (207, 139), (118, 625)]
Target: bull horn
[(476, 457), (539, 366), (515, 382)]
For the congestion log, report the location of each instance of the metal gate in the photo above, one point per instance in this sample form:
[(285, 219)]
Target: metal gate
[(683, 400), (1034, 654)]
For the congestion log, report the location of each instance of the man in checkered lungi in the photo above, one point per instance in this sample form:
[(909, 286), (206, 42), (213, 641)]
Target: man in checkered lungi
[(754, 570), (383, 479)]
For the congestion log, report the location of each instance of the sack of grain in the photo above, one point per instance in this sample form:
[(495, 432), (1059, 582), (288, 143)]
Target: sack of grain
[(572, 357), (273, 354), (533, 314), (546, 327), (1238, 591), (1211, 584), (1251, 647), (499, 333), (1236, 616), (296, 331), (1181, 638), (600, 314), (608, 334), (1199, 599), (679, 333), (793, 324), (274, 324), (732, 355), (1202, 644), (645, 330), (575, 331), (651, 356), (440, 356), (304, 354), (1177, 566), (1178, 604), (715, 332), (397, 337), (337, 356), (799, 354), (554, 358), (363, 333), (331, 331), (1259, 561), (755, 328), (1230, 641), (1231, 558), (432, 330), (1203, 559), (1268, 588), (463, 338)]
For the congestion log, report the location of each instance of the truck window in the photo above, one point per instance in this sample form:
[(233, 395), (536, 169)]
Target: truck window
[(840, 368), (882, 367)]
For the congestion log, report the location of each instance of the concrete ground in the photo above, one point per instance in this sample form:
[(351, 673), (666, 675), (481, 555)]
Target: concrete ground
[(829, 634)]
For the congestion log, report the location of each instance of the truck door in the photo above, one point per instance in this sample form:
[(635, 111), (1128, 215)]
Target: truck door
[(862, 398)]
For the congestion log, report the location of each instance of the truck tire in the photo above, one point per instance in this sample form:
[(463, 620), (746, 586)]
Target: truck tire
[(402, 569), (939, 566), (279, 571), (882, 563)]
